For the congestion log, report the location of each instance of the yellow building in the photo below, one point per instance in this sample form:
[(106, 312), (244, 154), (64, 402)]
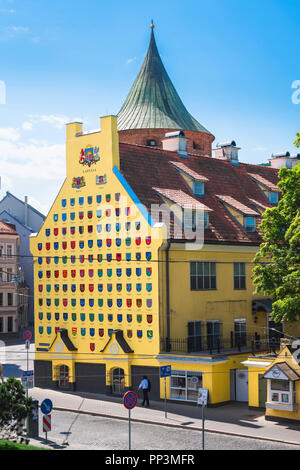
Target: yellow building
[(145, 257)]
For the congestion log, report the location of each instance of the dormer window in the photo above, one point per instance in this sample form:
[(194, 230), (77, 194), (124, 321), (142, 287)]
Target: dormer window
[(194, 219), (273, 197), (198, 188), (151, 143), (250, 224)]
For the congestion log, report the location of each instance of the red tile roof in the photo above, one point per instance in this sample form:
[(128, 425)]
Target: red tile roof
[(193, 174), (237, 205), (268, 184), (145, 168), (6, 229), (182, 199)]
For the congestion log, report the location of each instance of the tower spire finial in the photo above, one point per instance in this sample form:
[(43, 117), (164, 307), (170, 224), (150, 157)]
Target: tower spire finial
[(152, 25)]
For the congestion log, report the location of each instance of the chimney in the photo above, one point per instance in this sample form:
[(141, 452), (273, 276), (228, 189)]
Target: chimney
[(227, 151), (284, 160), (175, 142), (26, 211)]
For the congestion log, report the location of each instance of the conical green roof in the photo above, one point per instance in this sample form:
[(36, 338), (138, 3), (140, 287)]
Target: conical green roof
[(153, 102)]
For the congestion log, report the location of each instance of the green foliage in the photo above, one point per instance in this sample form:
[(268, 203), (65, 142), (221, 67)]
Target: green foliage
[(297, 141), (14, 407), (277, 264), (8, 445)]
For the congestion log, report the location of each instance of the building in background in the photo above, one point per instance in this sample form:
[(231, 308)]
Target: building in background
[(14, 292), (119, 291), (27, 220)]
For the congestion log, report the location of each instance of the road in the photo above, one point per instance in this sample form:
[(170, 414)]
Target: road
[(82, 431), (14, 359)]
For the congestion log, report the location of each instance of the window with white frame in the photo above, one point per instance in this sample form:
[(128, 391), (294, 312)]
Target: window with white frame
[(184, 385), (198, 188), (9, 250), (273, 197), (281, 391)]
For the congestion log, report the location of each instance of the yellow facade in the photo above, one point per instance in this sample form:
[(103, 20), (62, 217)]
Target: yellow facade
[(100, 268)]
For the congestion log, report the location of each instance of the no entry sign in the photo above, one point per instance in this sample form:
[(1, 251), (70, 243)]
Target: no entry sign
[(130, 400)]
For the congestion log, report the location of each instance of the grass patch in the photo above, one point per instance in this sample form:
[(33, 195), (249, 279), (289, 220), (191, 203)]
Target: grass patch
[(8, 445)]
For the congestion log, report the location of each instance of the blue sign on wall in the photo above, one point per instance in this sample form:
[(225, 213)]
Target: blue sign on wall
[(165, 371)]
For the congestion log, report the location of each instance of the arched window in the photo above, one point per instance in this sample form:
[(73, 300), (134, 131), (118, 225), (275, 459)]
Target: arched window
[(118, 381), (63, 376), (151, 143)]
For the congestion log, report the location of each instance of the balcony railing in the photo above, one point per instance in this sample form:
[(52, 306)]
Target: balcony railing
[(215, 344)]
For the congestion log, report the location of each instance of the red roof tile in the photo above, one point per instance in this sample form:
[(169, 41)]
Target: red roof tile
[(6, 229), (145, 168), (265, 182), (237, 205)]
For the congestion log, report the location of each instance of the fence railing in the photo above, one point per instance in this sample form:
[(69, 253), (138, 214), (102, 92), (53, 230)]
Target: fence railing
[(218, 344)]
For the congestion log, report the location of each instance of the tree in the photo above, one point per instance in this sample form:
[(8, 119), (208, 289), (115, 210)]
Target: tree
[(297, 141), (14, 408), (277, 264)]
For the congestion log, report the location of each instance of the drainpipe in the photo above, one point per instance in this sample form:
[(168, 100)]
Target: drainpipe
[(168, 345), (26, 211)]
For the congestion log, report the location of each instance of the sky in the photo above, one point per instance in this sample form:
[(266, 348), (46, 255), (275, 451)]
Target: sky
[(234, 64)]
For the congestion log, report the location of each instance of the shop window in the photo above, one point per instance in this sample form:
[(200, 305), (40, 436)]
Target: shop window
[(184, 385), (281, 391)]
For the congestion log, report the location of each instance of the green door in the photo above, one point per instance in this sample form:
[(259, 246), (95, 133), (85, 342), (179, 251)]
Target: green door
[(262, 391)]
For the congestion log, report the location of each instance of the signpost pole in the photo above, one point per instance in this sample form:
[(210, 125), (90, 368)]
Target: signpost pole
[(166, 414), (203, 406), (129, 429)]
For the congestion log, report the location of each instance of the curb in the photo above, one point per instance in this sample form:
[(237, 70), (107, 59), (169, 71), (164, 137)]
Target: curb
[(179, 426)]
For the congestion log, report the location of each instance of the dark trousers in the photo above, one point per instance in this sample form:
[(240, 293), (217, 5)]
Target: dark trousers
[(145, 397)]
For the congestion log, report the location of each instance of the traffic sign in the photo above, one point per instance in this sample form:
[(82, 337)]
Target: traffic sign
[(130, 400), (27, 335), (165, 371), (202, 396), (27, 379), (46, 406), (46, 423)]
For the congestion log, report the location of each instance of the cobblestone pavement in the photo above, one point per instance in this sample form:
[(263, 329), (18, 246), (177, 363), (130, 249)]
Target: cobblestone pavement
[(93, 432)]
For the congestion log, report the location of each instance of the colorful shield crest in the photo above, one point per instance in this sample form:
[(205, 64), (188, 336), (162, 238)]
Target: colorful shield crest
[(108, 197), (100, 303), (129, 287), (73, 259), (91, 287), (82, 302), (149, 334), (149, 303), (118, 242), (65, 316), (81, 245), (129, 303), (64, 231), (139, 333), (92, 347), (118, 227), (92, 317), (41, 288), (138, 241), (82, 272), (139, 303), (91, 258), (138, 271), (56, 302), (108, 242), (91, 273), (100, 317), (72, 216), (109, 287), (73, 302), (119, 303), (72, 201), (119, 287), (100, 258), (74, 316), (138, 256), (90, 243), (74, 331), (47, 231), (49, 329), (41, 316), (65, 274), (128, 272), (65, 302), (73, 245), (73, 273), (100, 272), (128, 256), (92, 332), (65, 287), (139, 287), (149, 271), (41, 330), (109, 303), (109, 257), (110, 317), (81, 230), (83, 331), (129, 333), (149, 318), (148, 255), (148, 240), (55, 231), (55, 217), (64, 217), (119, 317), (82, 316), (149, 287), (139, 318), (48, 302), (90, 214), (99, 213), (128, 241), (91, 302), (73, 230), (99, 243), (99, 198), (101, 332), (117, 212), (118, 257), (64, 245), (119, 272), (90, 229), (64, 202), (81, 258), (82, 287), (100, 287), (129, 317), (81, 215), (47, 246), (73, 287)]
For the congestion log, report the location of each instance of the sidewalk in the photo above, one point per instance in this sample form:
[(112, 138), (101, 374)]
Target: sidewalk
[(233, 419)]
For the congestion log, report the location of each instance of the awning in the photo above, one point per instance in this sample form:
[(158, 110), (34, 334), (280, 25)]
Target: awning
[(264, 305)]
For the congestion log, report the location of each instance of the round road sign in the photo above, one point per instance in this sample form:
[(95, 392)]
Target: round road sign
[(27, 335), (46, 406), (130, 400)]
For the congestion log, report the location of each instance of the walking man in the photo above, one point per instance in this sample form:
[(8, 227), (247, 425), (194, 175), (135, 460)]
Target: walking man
[(145, 386)]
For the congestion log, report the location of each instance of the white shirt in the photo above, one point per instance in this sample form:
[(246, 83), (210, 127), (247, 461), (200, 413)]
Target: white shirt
[(144, 384)]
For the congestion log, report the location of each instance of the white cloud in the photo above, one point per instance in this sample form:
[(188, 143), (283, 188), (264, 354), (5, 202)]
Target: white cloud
[(52, 119), (27, 126), (129, 61), (9, 133)]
